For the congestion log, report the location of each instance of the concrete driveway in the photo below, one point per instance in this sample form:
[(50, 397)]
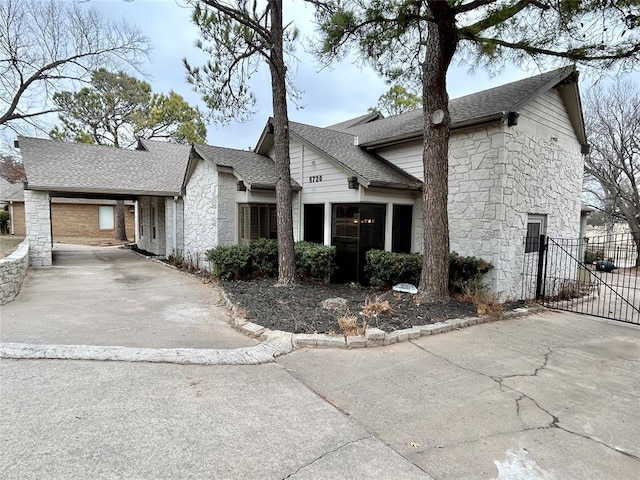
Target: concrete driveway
[(550, 396), (111, 296)]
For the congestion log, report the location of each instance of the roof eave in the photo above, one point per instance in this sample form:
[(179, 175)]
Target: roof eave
[(396, 186), (102, 191)]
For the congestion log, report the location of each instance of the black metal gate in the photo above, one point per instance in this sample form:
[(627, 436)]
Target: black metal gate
[(596, 276)]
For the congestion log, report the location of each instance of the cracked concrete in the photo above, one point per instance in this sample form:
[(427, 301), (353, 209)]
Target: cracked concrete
[(558, 391)]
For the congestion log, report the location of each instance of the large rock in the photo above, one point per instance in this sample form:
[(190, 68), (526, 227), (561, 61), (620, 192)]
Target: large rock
[(335, 303)]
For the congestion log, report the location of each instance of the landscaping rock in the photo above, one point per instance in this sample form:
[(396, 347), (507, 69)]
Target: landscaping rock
[(336, 304)]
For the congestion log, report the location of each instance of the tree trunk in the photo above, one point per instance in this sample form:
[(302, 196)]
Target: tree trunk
[(441, 45), (121, 232), (286, 255)]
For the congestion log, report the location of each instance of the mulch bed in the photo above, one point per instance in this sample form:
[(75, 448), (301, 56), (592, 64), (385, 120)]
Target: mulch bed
[(297, 309)]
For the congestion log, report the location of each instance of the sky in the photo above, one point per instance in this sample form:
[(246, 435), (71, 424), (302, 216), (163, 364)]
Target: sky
[(328, 95)]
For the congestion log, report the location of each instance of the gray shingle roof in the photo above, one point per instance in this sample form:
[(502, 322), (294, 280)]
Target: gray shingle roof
[(339, 146), (492, 103), (257, 171), (11, 192), (353, 122), (72, 167)]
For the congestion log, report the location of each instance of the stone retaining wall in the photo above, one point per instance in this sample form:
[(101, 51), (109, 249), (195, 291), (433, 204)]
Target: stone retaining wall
[(13, 269)]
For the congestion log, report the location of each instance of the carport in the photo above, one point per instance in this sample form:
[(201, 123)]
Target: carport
[(150, 175)]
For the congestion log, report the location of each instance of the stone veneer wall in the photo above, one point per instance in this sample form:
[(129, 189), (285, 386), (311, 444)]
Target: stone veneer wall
[(227, 210), (13, 269), (201, 213), (38, 222), (476, 165), (543, 177)]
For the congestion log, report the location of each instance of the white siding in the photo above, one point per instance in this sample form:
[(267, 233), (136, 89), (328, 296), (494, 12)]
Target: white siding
[(407, 156), (147, 241)]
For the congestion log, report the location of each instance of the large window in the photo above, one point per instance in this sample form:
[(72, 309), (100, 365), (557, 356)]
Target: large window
[(257, 221), (105, 218), (536, 226)]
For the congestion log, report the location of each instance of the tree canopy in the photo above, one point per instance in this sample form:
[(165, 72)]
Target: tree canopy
[(117, 108), (397, 100), (47, 45), (613, 166), (416, 41)]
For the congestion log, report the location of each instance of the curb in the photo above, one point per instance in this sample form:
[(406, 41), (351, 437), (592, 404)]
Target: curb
[(274, 344)]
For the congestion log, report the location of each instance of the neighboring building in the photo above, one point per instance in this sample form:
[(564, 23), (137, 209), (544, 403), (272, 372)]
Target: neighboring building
[(70, 217), (515, 171), (12, 201)]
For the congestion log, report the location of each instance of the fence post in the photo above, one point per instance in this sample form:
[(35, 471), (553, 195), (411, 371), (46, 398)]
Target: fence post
[(540, 277)]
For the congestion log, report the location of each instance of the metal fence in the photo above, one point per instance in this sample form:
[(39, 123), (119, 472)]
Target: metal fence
[(596, 276)]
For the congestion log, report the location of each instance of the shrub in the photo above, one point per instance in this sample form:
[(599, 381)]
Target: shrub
[(230, 263), (263, 258), (315, 261), (466, 272), (385, 269)]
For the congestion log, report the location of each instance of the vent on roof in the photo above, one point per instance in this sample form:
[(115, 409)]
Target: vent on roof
[(356, 141)]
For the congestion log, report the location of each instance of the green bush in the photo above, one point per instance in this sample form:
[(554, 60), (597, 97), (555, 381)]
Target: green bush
[(260, 259), (230, 263), (4, 216), (263, 258), (466, 272), (386, 269), (315, 261)]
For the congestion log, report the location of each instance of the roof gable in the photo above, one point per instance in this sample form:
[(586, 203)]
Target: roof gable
[(255, 170), (488, 105), (339, 148)]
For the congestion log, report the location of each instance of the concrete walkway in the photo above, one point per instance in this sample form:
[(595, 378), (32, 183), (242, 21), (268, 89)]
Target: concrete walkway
[(108, 296)]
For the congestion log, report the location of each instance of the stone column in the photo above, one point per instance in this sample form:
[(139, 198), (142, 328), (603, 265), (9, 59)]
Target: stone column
[(37, 212)]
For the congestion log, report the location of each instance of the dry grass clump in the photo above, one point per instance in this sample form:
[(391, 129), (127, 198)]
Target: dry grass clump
[(349, 326), (486, 303), (373, 308)]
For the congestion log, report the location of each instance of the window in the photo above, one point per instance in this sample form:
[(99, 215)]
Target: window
[(314, 223), (153, 222), (536, 226), (401, 228), (141, 221), (105, 218), (257, 221)]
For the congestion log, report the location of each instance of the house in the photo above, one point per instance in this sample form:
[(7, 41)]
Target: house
[(515, 171)]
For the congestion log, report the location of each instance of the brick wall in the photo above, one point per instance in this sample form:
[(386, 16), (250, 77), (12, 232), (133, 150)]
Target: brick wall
[(81, 220)]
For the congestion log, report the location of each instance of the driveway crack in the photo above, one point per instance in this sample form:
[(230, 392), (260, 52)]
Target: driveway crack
[(555, 420), (339, 447)]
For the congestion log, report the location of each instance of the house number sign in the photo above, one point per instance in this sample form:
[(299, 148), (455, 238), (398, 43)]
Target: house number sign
[(315, 178)]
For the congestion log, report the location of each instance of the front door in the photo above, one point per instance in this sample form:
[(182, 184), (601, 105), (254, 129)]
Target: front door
[(356, 229)]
